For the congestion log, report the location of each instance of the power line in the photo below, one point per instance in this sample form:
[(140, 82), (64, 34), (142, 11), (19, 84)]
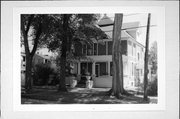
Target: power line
[(124, 15), (133, 28)]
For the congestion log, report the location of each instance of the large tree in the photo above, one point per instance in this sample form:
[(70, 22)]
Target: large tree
[(146, 58), (57, 32), (117, 83), (34, 28), (75, 28)]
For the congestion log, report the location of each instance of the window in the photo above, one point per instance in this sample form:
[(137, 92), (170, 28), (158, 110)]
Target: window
[(141, 72), (89, 50), (138, 56), (130, 48), (24, 58), (84, 49), (134, 49), (125, 68), (129, 43), (102, 48), (102, 68), (109, 47), (124, 47), (111, 68), (86, 67), (95, 48), (132, 70), (45, 61)]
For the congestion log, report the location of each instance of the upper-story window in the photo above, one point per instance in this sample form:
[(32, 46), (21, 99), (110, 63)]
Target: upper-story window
[(89, 52), (24, 58), (134, 49), (84, 49), (110, 43), (102, 48), (132, 69), (95, 48), (129, 48), (124, 47), (89, 49)]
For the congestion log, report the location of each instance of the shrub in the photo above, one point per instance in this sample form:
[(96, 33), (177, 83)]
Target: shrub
[(152, 88), (41, 74)]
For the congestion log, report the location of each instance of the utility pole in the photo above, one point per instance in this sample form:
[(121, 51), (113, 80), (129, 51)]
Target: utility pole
[(146, 58)]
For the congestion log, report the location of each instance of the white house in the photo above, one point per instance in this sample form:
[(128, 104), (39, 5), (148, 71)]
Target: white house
[(99, 56)]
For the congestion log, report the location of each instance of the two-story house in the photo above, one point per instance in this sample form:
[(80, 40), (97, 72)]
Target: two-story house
[(99, 57)]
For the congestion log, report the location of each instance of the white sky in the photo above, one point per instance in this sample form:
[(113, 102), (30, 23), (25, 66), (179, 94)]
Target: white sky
[(142, 18)]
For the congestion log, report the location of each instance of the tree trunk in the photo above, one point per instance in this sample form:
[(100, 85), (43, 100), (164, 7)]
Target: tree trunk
[(117, 84), (29, 55), (62, 82), (28, 76), (146, 59)]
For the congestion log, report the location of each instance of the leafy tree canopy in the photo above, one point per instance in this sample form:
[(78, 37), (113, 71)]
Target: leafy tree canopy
[(153, 57), (81, 27)]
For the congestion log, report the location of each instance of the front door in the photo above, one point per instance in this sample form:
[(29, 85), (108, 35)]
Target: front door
[(97, 70)]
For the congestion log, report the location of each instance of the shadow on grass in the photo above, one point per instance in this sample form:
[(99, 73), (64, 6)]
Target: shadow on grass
[(80, 96)]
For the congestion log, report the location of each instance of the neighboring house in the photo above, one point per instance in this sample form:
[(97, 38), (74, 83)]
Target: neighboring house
[(37, 59), (23, 68), (41, 59), (99, 57)]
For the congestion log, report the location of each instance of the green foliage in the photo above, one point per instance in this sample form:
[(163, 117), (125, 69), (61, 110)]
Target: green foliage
[(41, 74), (48, 24), (81, 28), (153, 87), (153, 57)]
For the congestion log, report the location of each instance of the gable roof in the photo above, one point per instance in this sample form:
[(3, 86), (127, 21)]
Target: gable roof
[(43, 56), (106, 24)]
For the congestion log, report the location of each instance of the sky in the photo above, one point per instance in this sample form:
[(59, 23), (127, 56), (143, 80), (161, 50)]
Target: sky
[(142, 18)]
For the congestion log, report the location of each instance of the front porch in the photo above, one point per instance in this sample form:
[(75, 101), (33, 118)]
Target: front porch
[(101, 72), (98, 70)]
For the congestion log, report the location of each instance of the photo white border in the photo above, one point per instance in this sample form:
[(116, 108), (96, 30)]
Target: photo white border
[(17, 106)]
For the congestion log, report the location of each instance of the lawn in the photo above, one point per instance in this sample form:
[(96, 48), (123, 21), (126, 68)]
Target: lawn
[(80, 95)]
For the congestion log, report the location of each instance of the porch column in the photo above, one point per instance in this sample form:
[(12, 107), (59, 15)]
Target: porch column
[(109, 68), (93, 68), (93, 71), (79, 68), (79, 71)]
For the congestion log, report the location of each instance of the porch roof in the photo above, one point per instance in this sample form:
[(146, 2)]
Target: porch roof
[(81, 59)]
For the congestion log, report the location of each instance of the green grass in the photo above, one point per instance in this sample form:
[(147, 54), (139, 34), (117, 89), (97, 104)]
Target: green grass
[(77, 96)]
